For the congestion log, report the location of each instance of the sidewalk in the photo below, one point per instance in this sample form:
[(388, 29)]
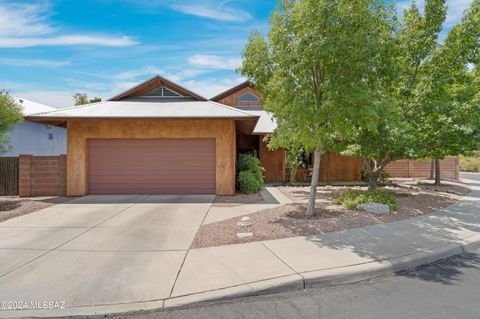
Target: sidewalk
[(327, 259), (330, 258)]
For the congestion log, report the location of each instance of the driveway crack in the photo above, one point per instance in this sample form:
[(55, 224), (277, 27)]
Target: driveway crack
[(188, 250)]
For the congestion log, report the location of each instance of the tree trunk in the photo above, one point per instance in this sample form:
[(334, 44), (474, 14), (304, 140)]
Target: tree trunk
[(373, 173), (327, 163), (437, 172), (293, 172), (432, 169), (373, 180), (313, 187)]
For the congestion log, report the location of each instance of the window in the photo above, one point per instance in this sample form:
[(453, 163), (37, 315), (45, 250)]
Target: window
[(50, 136), (247, 98), (162, 92)]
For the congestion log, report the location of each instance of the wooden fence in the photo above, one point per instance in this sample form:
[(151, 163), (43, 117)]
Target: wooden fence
[(8, 175), (333, 167), (449, 168)]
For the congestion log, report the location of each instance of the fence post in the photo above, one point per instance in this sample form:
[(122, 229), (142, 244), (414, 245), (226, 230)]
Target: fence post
[(24, 172)]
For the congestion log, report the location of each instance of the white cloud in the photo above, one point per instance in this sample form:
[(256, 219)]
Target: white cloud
[(24, 19), (134, 74), (211, 87), (215, 62), (33, 62), (26, 25), (150, 71), (217, 12), (96, 40)]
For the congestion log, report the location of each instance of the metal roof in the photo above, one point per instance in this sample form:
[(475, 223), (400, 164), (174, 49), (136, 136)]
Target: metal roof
[(266, 123), (30, 107), (146, 109)]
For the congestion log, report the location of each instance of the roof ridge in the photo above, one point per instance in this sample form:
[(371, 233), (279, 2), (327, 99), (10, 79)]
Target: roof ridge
[(230, 107)]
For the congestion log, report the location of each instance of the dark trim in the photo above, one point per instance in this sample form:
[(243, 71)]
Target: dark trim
[(232, 90)]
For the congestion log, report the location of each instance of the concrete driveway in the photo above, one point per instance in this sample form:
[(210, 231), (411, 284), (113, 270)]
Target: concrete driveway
[(99, 250)]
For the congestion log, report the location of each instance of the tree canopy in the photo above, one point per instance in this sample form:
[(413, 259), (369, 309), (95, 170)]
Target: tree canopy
[(318, 71), (433, 94), (10, 114), (82, 98)]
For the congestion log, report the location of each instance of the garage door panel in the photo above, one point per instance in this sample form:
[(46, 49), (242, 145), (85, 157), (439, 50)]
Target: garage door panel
[(151, 166)]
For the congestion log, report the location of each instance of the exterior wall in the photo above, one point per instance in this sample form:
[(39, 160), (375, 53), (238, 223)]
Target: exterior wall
[(42, 175), (79, 131), (273, 163), (32, 138), (449, 168), (232, 100)]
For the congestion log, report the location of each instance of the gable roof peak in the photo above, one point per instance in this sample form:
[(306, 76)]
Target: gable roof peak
[(152, 84), (232, 90)]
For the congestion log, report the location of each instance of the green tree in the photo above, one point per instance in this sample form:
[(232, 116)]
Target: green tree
[(450, 107), (432, 114), (10, 114), (316, 69), (82, 98)]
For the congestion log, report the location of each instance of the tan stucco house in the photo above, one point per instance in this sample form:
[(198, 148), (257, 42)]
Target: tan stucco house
[(160, 138)]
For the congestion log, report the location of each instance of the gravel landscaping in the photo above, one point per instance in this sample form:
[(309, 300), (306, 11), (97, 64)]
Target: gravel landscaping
[(414, 198), (13, 206), (237, 200)]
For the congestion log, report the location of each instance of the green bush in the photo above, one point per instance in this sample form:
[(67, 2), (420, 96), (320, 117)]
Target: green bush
[(248, 162), (249, 174), (352, 198), (470, 164), (248, 182)]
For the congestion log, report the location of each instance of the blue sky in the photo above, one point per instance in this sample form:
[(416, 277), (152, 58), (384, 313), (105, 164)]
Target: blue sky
[(50, 50)]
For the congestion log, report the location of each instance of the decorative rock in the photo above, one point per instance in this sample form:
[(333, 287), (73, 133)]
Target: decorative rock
[(243, 235), (244, 224), (245, 218), (376, 208)]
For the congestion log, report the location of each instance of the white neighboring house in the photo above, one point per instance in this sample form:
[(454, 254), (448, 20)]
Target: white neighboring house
[(35, 138)]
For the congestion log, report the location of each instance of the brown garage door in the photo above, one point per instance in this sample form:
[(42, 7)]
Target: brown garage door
[(151, 166)]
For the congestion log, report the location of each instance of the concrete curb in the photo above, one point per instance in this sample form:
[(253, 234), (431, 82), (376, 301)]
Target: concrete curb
[(317, 278), (331, 277)]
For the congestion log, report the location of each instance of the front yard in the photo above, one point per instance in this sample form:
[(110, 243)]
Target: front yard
[(413, 198)]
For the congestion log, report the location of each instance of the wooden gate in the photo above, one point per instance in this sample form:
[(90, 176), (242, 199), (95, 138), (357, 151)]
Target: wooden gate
[(8, 175)]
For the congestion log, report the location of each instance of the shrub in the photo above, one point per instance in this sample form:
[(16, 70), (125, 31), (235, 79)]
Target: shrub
[(248, 162), (352, 198), (248, 182), (249, 174), (470, 164)]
